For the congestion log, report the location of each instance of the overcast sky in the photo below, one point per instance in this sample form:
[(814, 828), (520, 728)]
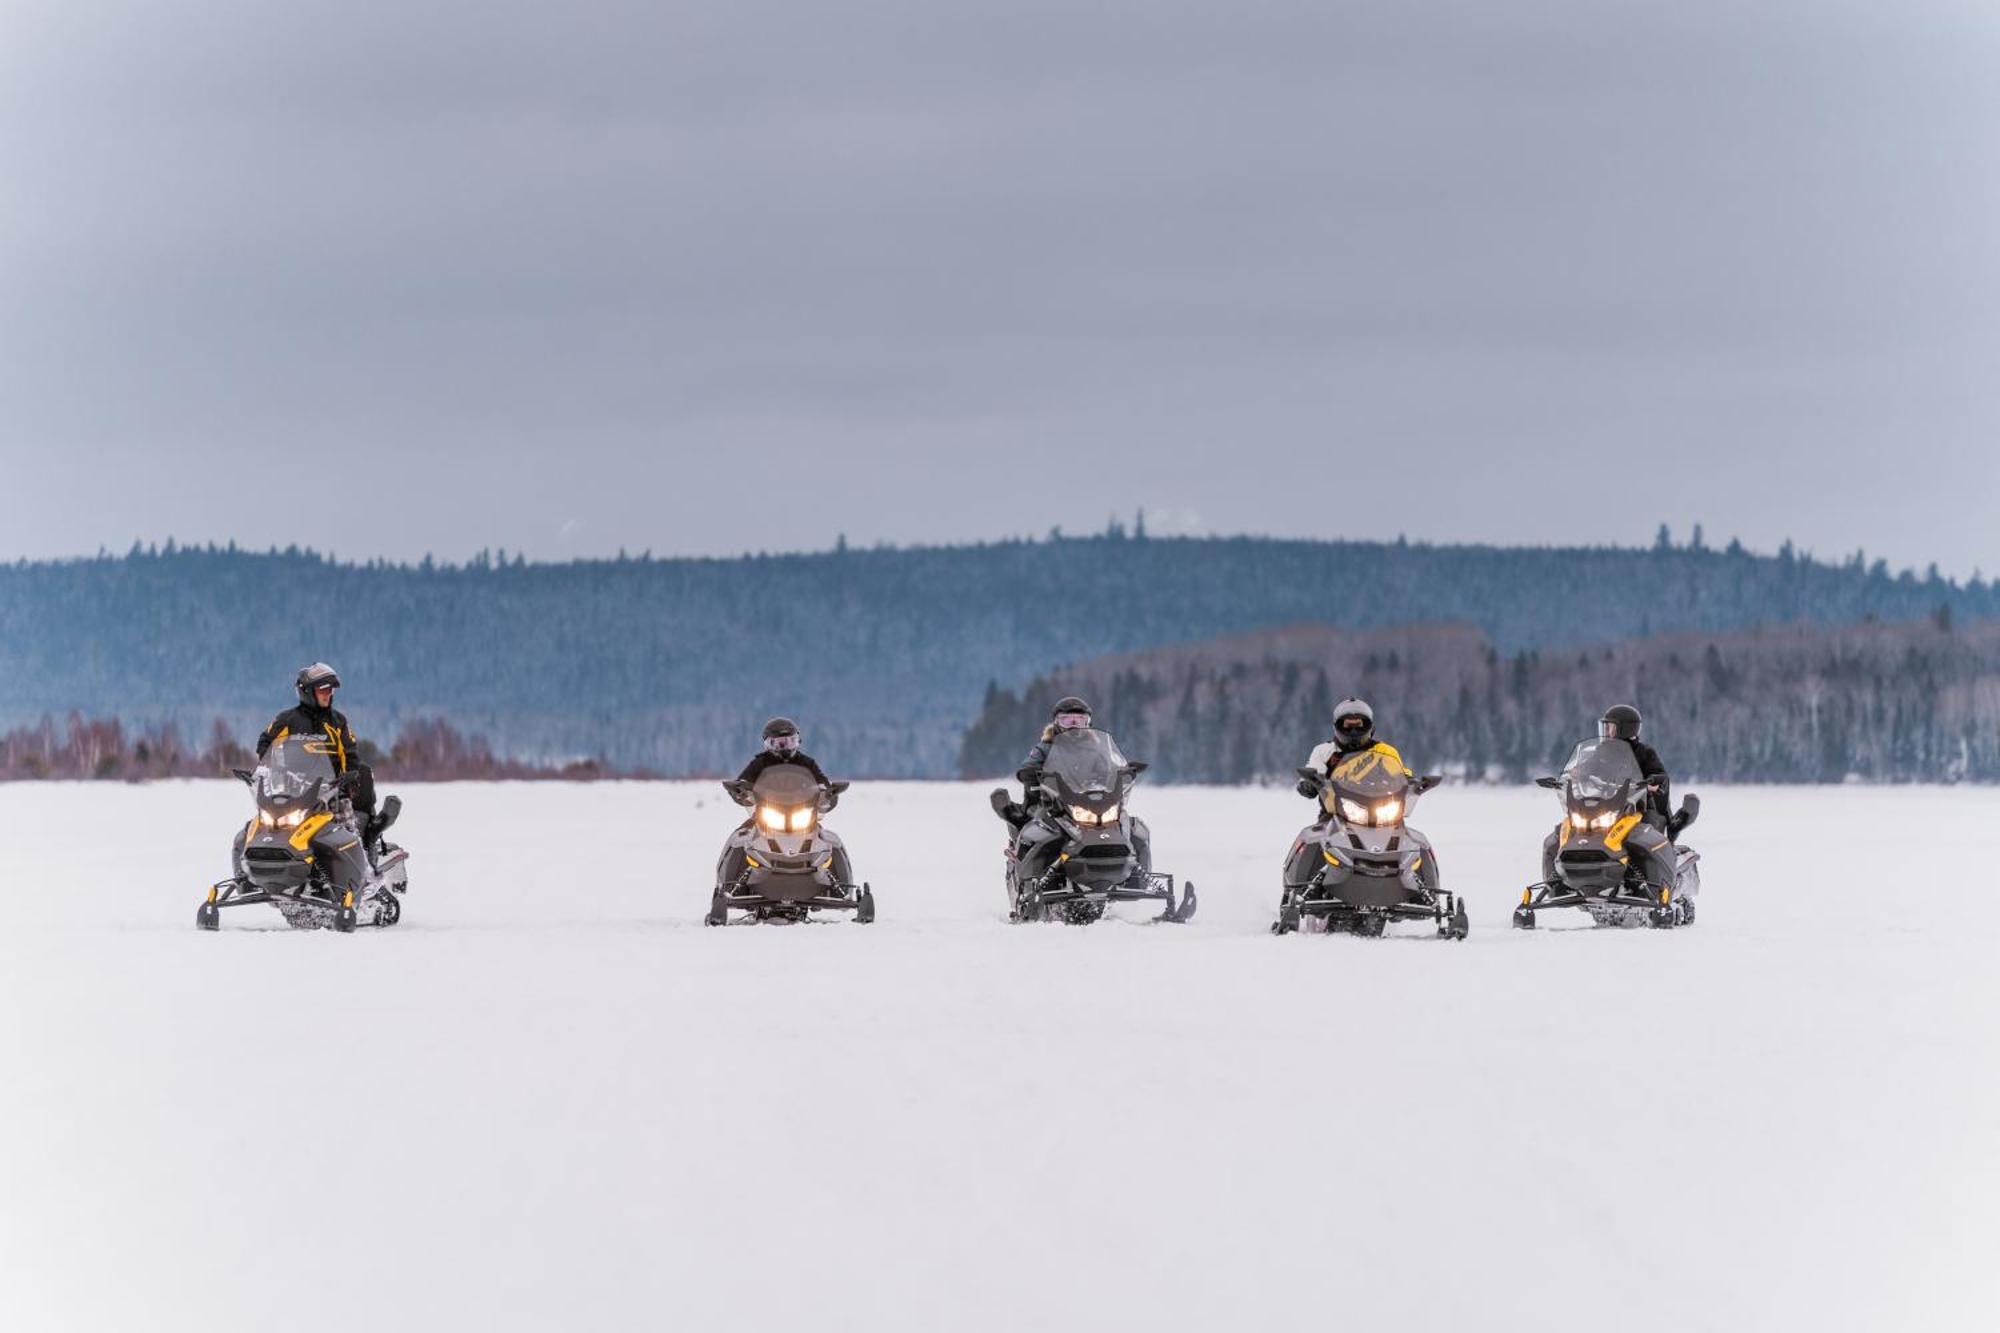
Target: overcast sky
[(403, 277)]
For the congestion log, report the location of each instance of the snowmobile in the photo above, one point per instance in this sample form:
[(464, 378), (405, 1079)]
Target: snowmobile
[(302, 852), (1604, 796), (784, 863), (1081, 849), (1362, 866)]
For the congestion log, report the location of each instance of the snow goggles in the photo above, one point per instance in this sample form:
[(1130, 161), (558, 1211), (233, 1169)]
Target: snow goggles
[(1072, 721), (783, 744)]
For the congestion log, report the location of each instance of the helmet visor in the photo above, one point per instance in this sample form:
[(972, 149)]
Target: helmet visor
[(1352, 725), (1072, 721), (785, 744)]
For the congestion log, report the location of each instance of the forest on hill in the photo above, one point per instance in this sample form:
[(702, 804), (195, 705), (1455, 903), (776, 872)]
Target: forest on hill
[(105, 750), (1915, 701), (883, 654)]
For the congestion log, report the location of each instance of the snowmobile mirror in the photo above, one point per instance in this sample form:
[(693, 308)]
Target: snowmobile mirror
[(1309, 774), (244, 776), (1550, 783), (1428, 781), (1000, 801), (836, 788), (1135, 768)]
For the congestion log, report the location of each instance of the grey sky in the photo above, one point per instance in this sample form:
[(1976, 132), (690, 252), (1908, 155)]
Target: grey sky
[(566, 278)]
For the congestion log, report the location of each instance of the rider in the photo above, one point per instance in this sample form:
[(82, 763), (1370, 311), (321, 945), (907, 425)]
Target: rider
[(1651, 840), (1353, 734), (1622, 722), (781, 746), (316, 716), (1069, 714)]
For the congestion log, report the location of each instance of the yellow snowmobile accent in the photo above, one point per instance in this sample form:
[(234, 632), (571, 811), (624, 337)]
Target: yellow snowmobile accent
[(302, 839), (1615, 840)]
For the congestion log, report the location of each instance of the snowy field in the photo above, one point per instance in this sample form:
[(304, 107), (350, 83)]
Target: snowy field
[(551, 1099)]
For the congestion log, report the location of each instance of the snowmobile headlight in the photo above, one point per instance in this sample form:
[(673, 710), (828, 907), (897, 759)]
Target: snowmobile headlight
[(801, 819), (290, 819), (771, 817), (1605, 820), (1083, 814), (1353, 811), (1110, 815), (1389, 811)]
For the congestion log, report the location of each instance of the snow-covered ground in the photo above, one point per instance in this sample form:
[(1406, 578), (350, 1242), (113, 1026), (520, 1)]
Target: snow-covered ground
[(551, 1099)]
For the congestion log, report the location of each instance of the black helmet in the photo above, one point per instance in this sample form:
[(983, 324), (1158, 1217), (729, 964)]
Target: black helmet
[(1622, 721), (1069, 706), (781, 733), (316, 677), (1354, 723)]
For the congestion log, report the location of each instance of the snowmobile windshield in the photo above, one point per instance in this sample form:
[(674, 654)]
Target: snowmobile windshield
[(1370, 777), (1085, 761), (1370, 789), (786, 785), (787, 799), (1600, 769), (295, 768)]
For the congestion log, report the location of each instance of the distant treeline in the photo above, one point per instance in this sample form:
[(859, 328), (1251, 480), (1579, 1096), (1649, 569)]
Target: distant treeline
[(881, 654), (102, 749), (1803, 703)]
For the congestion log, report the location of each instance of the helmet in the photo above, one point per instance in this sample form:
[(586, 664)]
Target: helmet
[(314, 678), (781, 734), (1354, 723), (1622, 721), (1070, 712)]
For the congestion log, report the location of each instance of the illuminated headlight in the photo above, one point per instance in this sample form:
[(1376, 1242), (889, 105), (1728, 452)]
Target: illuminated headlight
[(264, 819), (1605, 820), (291, 818), (1083, 814), (1389, 811), (1353, 811), (801, 819), (1110, 815), (771, 817)]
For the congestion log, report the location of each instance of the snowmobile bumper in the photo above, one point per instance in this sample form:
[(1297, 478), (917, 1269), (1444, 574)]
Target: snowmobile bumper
[(856, 898), (1058, 894), (1620, 906), (1337, 913)]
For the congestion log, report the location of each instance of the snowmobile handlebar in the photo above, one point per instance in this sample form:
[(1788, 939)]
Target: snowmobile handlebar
[(743, 794)]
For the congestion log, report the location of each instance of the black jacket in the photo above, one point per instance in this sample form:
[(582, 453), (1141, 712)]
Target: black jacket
[(766, 759), (1656, 772), (310, 720)]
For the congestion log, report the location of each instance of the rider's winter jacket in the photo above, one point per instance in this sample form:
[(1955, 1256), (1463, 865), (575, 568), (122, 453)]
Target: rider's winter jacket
[(312, 720), (1656, 772), (1329, 755), (767, 759)]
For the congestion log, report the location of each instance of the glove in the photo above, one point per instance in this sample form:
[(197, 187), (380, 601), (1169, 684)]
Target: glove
[(348, 783), (1308, 788), (1030, 777)]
